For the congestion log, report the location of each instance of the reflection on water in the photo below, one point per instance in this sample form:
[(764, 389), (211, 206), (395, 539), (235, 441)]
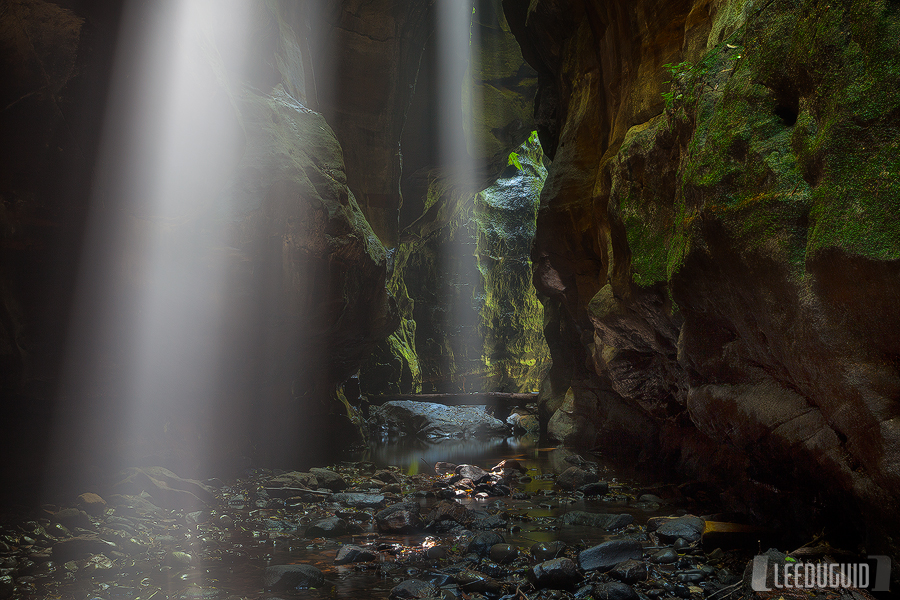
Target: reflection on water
[(542, 464), (225, 559), (419, 456)]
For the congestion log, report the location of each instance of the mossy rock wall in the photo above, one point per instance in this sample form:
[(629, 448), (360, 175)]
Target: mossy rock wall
[(462, 277), (498, 88), (718, 242)]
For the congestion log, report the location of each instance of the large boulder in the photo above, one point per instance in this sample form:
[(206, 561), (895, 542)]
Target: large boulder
[(557, 573), (166, 488), (431, 420), (402, 517), (608, 554)]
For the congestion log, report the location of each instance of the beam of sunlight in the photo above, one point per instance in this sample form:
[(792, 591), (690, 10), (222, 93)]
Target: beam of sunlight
[(152, 276), (454, 40)]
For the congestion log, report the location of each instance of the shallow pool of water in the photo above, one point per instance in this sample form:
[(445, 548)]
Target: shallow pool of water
[(245, 533)]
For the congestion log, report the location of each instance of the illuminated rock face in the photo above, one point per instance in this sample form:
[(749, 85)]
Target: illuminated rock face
[(462, 279), (470, 319), (721, 255), (305, 300)]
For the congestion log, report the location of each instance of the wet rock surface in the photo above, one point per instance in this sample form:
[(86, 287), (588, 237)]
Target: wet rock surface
[(430, 420), (719, 319), (361, 543), (286, 577)]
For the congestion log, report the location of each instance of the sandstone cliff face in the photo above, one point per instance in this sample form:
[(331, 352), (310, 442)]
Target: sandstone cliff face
[(721, 262), (367, 58)]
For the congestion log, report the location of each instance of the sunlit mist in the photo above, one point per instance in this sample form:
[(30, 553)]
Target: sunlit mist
[(455, 43), (170, 138)]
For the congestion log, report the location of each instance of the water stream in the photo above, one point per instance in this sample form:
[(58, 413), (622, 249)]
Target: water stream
[(224, 554)]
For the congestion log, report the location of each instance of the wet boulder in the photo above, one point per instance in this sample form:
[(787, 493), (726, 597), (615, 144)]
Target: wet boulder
[(329, 527), (489, 522), (503, 553), (399, 518), (597, 488), (575, 477), (429, 420), (448, 510), (524, 423), (630, 571), (91, 503), (350, 553), (358, 500), (444, 468), (543, 551), (614, 590), (413, 589), (71, 518), (605, 556), (483, 541), (476, 474), (293, 479), (555, 573), (165, 488), (329, 479), (664, 557), (386, 477), (689, 528), (289, 577)]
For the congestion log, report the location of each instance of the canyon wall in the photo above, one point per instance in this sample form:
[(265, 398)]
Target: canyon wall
[(218, 301), (718, 244), (472, 176), (471, 320)]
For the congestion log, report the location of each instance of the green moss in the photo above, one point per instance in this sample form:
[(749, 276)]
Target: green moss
[(471, 317), (786, 135), (394, 364), (511, 316), (644, 212), (841, 58), (793, 146)]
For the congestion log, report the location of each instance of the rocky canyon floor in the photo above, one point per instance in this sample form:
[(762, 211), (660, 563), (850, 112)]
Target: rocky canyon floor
[(543, 523)]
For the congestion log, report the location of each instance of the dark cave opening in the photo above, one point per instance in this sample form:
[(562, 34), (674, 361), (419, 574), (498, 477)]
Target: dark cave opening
[(787, 114)]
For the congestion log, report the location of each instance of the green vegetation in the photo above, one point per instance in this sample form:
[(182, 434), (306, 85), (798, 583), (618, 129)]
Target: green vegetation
[(470, 317), (677, 72), (511, 317), (788, 135), (514, 160)]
